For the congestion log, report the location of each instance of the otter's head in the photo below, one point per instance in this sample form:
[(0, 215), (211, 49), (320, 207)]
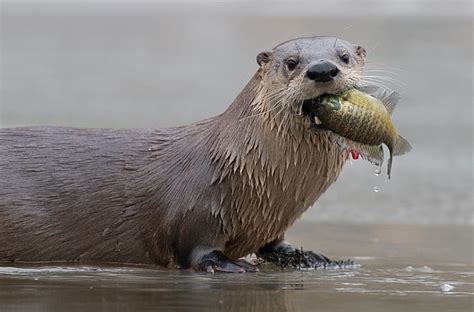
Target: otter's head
[(299, 70)]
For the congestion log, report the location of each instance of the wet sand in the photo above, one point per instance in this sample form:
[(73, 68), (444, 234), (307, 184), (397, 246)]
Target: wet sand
[(402, 268)]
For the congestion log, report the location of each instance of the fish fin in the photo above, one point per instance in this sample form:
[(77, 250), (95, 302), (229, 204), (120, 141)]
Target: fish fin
[(389, 98), (369, 89), (371, 153), (389, 165), (401, 146)]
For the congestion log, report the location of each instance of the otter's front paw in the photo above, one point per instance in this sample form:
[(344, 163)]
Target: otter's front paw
[(315, 259), (216, 261), (296, 258), (283, 254)]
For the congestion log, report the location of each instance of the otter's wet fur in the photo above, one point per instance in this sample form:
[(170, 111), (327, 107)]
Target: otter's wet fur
[(233, 183)]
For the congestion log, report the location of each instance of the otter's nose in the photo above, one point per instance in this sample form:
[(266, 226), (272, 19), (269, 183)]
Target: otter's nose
[(322, 72)]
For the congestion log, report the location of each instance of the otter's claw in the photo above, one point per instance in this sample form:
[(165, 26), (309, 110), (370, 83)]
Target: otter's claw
[(216, 261), (246, 266), (316, 259)]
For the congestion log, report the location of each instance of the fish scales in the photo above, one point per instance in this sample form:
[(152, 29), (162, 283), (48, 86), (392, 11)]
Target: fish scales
[(365, 120), (357, 124)]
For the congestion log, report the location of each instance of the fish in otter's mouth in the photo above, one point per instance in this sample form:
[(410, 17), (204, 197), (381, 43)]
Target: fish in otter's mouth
[(311, 106), (363, 120)]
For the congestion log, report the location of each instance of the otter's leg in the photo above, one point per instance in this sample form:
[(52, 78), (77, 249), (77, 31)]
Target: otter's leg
[(200, 242), (282, 253), (216, 261)]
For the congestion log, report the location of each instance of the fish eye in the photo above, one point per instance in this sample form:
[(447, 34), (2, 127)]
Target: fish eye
[(345, 58), (291, 64)]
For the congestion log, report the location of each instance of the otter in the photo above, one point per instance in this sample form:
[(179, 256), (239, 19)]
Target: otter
[(198, 196)]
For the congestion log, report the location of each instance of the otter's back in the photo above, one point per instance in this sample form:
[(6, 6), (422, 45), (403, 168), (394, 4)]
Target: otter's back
[(54, 181)]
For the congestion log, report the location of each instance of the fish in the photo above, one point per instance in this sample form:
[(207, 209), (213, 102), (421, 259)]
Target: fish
[(364, 122)]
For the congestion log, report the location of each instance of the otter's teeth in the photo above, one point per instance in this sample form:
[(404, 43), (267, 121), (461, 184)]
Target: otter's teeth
[(317, 120)]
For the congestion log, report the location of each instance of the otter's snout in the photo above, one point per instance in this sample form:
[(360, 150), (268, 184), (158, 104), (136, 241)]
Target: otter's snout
[(322, 71)]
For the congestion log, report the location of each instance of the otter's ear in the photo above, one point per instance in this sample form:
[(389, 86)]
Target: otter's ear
[(264, 57), (361, 51)]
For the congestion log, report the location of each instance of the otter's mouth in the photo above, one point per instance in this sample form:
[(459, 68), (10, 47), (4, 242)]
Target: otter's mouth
[(310, 107)]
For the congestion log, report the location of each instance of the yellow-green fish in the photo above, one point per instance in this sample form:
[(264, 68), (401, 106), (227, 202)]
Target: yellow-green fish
[(365, 120)]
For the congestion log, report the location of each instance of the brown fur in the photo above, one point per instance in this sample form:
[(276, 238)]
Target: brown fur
[(284, 169), (234, 182)]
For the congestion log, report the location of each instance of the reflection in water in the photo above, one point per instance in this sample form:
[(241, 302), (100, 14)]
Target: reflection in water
[(400, 266), (54, 287), (137, 288)]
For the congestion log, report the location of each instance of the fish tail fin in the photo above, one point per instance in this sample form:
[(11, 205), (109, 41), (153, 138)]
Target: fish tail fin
[(401, 146)]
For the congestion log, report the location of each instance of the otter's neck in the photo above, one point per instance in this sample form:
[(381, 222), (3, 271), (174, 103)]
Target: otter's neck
[(268, 169)]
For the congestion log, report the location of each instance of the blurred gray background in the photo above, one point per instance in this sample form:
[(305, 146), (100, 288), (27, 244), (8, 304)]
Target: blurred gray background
[(157, 64)]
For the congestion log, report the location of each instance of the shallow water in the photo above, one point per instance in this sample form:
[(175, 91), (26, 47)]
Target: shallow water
[(391, 277), (138, 64)]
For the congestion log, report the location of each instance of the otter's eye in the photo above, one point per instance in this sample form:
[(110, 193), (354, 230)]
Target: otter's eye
[(345, 58), (291, 64)]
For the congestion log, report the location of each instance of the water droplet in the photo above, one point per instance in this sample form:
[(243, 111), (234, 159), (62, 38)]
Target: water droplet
[(377, 172), (376, 189)]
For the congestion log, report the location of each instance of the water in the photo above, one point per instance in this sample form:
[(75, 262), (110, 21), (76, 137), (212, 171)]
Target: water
[(377, 171), (85, 288), (447, 287), (394, 275)]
